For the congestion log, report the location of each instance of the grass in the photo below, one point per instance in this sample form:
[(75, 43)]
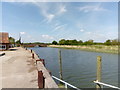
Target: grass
[(94, 48), (61, 85)]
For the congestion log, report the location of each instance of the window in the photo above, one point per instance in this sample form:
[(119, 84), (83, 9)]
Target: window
[(2, 47)]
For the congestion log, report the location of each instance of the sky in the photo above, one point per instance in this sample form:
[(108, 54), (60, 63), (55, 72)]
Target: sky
[(48, 21)]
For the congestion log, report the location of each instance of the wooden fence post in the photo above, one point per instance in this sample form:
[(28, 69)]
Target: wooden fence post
[(60, 63), (40, 80), (99, 68)]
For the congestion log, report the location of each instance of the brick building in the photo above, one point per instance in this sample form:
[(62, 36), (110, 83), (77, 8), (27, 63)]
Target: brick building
[(4, 41)]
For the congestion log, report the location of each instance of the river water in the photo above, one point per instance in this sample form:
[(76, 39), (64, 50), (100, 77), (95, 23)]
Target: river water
[(79, 67)]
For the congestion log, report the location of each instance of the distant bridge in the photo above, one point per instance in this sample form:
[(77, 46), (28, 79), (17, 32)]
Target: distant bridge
[(34, 45)]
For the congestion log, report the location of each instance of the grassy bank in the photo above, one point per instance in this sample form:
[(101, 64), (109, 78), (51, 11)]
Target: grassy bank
[(94, 48)]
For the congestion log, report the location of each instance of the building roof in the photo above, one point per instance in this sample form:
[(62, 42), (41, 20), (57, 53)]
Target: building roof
[(4, 38)]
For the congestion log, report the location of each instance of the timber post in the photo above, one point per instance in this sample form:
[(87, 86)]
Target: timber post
[(99, 68), (40, 80), (31, 50), (60, 64), (33, 56)]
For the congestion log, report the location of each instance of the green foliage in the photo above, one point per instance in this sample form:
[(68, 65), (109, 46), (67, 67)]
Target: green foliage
[(54, 42), (115, 42), (18, 42), (69, 42), (62, 42), (11, 40), (80, 42), (108, 42), (89, 42)]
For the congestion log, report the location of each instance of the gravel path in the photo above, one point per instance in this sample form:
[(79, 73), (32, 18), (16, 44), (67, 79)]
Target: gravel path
[(18, 70)]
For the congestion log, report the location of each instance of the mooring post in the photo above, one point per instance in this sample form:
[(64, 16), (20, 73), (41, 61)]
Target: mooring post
[(33, 56), (60, 63), (99, 68), (31, 50), (40, 80)]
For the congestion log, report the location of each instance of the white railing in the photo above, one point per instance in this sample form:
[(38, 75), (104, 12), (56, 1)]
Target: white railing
[(107, 85), (66, 84)]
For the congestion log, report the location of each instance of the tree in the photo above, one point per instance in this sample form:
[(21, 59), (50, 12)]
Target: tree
[(54, 42), (18, 42), (89, 42), (80, 41), (11, 40), (74, 42), (108, 42), (114, 42), (62, 42)]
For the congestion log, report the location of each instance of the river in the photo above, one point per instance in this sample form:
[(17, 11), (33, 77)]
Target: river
[(79, 67)]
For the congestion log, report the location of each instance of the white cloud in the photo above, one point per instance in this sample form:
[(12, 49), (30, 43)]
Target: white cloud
[(44, 10), (92, 8), (47, 37), (50, 17), (58, 27), (82, 30), (62, 9), (22, 33)]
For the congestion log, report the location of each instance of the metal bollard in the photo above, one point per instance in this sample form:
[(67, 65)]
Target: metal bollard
[(40, 80)]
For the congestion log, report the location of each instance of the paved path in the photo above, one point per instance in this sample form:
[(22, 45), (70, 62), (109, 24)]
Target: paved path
[(18, 70)]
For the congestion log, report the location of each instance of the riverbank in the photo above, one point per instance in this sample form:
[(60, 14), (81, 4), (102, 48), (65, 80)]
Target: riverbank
[(94, 48)]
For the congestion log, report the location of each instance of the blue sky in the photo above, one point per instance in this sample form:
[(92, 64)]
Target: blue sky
[(48, 21)]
